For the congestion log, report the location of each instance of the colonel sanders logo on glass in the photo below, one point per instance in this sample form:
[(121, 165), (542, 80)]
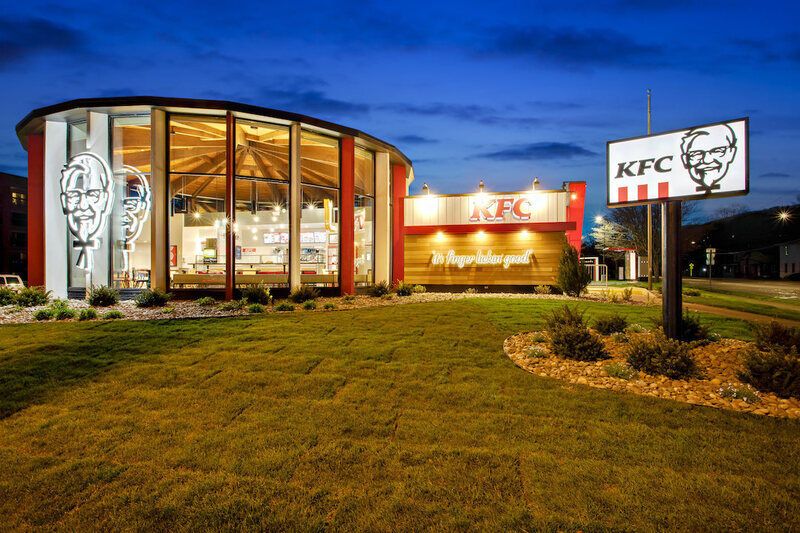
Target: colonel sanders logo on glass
[(87, 195)]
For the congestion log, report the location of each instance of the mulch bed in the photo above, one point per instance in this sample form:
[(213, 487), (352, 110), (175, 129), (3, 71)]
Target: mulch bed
[(719, 364)]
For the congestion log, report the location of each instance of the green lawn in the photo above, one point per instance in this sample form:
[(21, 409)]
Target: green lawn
[(759, 305), (391, 418)]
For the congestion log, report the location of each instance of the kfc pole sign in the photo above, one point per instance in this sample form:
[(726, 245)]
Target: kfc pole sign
[(690, 164), (486, 208)]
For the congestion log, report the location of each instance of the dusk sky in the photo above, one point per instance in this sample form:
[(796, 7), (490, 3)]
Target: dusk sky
[(500, 90)]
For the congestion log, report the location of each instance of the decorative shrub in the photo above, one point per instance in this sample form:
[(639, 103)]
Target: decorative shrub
[(565, 316), (691, 330), (691, 292), (112, 315), (90, 313), (539, 337), (379, 289), (621, 371), (470, 290), (776, 334), (102, 296), (303, 293), (542, 289), (63, 313), (32, 296), (536, 352), (348, 298), (627, 294), (309, 305), (387, 296), (7, 296), (774, 370), (152, 298), (609, 324), (572, 277), (257, 294), (255, 308), (284, 307), (206, 301), (576, 342), (233, 305), (635, 328), (746, 393), (419, 289), (403, 289), (659, 355), (168, 310), (329, 305), (43, 314)]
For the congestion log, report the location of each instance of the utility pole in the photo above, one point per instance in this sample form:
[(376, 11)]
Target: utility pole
[(649, 218)]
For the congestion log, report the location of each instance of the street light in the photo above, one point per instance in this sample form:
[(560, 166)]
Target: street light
[(784, 216), (598, 219)]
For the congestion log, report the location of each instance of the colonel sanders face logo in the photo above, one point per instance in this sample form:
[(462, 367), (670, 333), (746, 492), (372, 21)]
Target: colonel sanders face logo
[(87, 195), (707, 153), (136, 209)]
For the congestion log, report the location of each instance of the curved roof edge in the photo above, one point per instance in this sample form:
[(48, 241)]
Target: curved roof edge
[(221, 105)]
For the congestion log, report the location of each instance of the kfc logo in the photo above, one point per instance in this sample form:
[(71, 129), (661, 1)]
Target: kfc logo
[(136, 209), (495, 209), (87, 194), (707, 153)]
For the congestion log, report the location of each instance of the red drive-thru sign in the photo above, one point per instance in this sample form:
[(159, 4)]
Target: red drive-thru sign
[(689, 164)]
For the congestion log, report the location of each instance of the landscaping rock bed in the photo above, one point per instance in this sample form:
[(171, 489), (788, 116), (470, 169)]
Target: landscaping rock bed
[(719, 364)]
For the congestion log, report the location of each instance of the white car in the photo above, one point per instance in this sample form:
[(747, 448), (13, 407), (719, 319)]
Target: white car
[(11, 281)]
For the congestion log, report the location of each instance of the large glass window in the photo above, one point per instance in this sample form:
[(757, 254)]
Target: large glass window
[(133, 200), (76, 144), (319, 219), (262, 204), (197, 201), (364, 213)]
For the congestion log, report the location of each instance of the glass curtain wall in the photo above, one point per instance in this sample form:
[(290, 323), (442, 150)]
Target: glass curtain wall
[(364, 213), (197, 220), (262, 204), (319, 219), (133, 201), (76, 143)]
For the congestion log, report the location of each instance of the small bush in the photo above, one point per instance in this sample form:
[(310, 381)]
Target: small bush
[(619, 337), (102, 296), (168, 310), (379, 289), (257, 294), (572, 277), (659, 355), (542, 289), (329, 306), (746, 393), (206, 301), (776, 334), (613, 297), (32, 296), (691, 292), (63, 313), (309, 305), (284, 307), (539, 337), (43, 314), (692, 329), (611, 324), (627, 294), (152, 298), (112, 315), (565, 316), (387, 296), (419, 289), (403, 289), (635, 328), (576, 342), (536, 352), (348, 298), (621, 371), (303, 293), (470, 290), (774, 370), (233, 305), (7, 296), (255, 308), (90, 313)]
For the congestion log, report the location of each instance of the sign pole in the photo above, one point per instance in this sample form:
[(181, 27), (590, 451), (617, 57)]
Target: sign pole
[(671, 282), (649, 219)]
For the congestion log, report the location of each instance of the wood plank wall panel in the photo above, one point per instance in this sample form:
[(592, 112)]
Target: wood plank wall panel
[(546, 248)]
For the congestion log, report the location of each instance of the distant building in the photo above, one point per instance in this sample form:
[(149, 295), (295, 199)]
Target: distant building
[(13, 225), (789, 258)]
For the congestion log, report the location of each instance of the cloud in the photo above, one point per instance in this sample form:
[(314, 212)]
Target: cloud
[(416, 139), (571, 46), (774, 175), (480, 114), (540, 150), (22, 39)]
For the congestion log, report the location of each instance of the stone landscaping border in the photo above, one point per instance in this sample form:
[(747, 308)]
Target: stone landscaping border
[(719, 364)]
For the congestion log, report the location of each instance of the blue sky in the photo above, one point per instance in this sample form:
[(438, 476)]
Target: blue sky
[(501, 91)]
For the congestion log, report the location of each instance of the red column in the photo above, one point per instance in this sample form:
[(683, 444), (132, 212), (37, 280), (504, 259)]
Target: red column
[(577, 201), (399, 192), (230, 204), (347, 218), (36, 210)]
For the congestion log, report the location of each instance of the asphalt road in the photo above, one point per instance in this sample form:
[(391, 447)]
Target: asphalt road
[(777, 289)]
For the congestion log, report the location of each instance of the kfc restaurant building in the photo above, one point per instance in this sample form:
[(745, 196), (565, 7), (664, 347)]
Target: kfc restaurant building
[(202, 196)]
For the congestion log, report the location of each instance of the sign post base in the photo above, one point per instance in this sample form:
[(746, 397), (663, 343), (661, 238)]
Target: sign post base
[(671, 288)]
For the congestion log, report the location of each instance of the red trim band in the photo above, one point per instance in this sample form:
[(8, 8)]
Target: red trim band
[(491, 228)]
